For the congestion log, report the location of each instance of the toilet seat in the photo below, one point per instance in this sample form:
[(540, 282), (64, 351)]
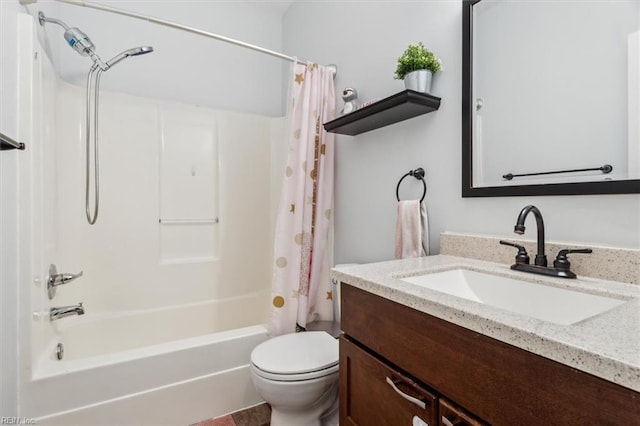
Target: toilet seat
[(296, 357), (300, 377)]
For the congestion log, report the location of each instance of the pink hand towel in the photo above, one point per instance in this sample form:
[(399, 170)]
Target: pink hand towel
[(412, 230)]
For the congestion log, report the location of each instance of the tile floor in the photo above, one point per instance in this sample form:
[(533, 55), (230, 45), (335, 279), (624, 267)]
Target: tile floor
[(259, 415)]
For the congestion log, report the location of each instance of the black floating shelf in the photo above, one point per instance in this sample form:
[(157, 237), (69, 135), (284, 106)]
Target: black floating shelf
[(395, 108)]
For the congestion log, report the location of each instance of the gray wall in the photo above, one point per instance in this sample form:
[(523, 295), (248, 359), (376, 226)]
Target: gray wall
[(184, 67), (365, 39)]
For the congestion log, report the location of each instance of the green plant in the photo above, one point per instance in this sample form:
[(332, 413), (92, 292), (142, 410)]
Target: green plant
[(417, 57)]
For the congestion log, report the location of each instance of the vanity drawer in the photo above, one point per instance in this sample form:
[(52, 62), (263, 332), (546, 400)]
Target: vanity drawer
[(374, 393), (452, 415)]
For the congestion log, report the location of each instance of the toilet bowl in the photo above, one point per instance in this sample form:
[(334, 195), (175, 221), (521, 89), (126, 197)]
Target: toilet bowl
[(297, 374)]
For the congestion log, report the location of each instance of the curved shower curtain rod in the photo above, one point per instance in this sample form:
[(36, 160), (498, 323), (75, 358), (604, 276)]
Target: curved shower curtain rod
[(181, 27)]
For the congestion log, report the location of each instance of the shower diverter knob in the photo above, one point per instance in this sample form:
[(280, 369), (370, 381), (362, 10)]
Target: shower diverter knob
[(55, 279)]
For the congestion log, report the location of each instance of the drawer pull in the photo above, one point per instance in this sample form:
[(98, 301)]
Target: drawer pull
[(409, 398), (454, 422), (446, 421)]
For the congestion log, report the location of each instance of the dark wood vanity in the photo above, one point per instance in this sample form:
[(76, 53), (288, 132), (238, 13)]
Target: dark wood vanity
[(458, 376)]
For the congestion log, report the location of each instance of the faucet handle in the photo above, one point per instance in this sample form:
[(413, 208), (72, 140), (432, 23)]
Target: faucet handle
[(55, 279), (562, 262), (522, 256)]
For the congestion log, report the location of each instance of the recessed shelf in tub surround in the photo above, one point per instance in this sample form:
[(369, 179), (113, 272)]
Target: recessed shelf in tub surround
[(606, 345), (607, 263)]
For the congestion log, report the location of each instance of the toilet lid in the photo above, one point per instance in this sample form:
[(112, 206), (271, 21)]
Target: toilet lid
[(296, 353)]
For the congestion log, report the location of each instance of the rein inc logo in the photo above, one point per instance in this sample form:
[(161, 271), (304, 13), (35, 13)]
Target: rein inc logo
[(17, 421)]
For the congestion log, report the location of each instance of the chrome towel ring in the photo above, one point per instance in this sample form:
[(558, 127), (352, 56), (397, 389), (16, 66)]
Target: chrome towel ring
[(418, 174)]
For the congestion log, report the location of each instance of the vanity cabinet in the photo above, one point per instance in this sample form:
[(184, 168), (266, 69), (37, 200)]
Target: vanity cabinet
[(475, 379)]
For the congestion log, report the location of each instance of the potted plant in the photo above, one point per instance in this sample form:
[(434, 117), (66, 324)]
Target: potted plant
[(417, 66)]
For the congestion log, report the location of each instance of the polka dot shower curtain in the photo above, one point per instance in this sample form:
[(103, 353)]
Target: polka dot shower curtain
[(301, 291)]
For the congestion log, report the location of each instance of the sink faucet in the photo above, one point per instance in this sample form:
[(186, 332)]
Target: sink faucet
[(541, 257), (560, 265), (65, 311)]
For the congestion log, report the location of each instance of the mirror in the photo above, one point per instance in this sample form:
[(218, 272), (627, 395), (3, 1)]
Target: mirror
[(549, 87)]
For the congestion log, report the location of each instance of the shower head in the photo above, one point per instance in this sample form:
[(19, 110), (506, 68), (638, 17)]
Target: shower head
[(131, 52), (82, 44)]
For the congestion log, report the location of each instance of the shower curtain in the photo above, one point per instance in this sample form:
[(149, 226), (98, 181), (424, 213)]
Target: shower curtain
[(301, 291)]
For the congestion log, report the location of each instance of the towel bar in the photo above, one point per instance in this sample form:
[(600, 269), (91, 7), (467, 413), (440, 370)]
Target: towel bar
[(607, 168), (6, 143)]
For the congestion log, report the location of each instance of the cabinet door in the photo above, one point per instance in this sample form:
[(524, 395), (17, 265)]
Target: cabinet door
[(374, 393), (452, 415)]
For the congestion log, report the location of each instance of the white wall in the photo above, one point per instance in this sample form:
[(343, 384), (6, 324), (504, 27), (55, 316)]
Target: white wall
[(365, 39), (26, 95), (9, 163), (184, 67)]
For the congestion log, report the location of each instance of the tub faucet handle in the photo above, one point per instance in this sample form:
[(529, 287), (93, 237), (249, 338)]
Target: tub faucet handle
[(55, 279)]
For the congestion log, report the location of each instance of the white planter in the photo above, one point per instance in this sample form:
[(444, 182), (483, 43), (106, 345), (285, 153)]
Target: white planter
[(419, 80)]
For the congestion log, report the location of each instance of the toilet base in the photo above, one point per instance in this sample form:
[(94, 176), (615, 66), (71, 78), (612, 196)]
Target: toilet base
[(322, 414), (332, 416)]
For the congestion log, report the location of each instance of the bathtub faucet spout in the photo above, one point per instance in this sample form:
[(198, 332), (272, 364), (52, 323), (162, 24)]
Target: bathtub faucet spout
[(65, 311)]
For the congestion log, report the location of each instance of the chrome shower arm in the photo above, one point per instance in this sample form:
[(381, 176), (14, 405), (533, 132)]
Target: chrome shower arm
[(78, 40), (42, 19)]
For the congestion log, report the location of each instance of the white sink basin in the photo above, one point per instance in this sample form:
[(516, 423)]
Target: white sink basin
[(544, 302)]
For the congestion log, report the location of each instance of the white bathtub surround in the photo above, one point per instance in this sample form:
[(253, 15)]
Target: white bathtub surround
[(172, 311), (99, 334), (301, 289), (179, 214), (175, 383), (158, 271), (607, 263), (606, 345)]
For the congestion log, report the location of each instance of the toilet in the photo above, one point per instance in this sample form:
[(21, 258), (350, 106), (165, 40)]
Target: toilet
[(297, 374)]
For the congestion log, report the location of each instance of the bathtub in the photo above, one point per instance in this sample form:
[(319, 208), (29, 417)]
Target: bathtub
[(127, 369)]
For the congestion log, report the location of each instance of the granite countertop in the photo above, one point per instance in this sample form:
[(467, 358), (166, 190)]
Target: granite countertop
[(606, 345)]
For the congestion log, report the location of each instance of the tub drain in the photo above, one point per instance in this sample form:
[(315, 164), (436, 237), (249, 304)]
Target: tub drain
[(59, 351)]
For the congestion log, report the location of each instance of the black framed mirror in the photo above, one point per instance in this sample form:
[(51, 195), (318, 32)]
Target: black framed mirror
[(624, 180)]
